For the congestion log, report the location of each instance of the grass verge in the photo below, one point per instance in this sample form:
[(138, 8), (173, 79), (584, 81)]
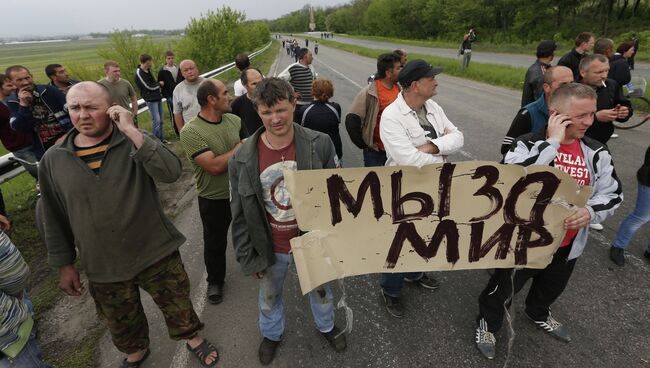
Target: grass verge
[(511, 48)]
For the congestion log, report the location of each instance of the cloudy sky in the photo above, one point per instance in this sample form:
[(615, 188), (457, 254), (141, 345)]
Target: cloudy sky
[(60, 17)]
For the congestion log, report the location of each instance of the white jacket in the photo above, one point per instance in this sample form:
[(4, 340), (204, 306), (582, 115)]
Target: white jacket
[(401, 133)]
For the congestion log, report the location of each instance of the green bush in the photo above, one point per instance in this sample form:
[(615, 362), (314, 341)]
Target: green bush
[(217, 37)]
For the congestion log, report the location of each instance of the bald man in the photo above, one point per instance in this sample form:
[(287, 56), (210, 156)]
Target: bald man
[(98, 196), (209, 140), (185, 105)]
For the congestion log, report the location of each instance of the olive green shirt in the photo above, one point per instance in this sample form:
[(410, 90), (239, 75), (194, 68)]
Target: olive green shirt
[(199, 136)]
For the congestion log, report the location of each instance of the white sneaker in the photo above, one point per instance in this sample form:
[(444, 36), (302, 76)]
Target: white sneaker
[(598, 227), (614, 135)]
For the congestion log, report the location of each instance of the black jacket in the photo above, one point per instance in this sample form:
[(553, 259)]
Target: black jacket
[(608, 97), (533, 82), (148, 85), (619, 70), (572, 61), (166, 76), (323, 117)]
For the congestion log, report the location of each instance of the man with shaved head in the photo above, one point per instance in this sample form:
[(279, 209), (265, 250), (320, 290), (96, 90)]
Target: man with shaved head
[(209, 140), (243, 107), (101, 205), (186, 107)]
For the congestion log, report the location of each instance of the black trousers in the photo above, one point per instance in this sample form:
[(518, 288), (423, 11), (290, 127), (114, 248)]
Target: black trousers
[(548, 284), (216, 217)]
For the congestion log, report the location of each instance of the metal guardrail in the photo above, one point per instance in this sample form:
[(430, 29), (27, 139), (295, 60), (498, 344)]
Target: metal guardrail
[(10, 168)]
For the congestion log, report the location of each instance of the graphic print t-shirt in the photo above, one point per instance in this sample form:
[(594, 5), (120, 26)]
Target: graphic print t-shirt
[(278, 208), (571, 160), (386, 97), (47, 126)]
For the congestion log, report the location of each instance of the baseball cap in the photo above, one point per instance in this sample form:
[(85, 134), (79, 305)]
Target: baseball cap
[(546, 48), (414, 70)]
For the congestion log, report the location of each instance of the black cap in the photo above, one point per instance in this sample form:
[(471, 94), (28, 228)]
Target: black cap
[(546, 48), (415, 70)]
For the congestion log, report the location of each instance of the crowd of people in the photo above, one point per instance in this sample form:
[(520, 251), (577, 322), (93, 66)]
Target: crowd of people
[(95, 163)]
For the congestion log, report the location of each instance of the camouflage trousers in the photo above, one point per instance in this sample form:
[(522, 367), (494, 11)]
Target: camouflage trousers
[(118, 304)]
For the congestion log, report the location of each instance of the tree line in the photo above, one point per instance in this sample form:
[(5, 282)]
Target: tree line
[(512, 21)]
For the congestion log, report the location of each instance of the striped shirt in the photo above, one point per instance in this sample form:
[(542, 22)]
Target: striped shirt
[(93, 155), (14, 274), (300, 77)]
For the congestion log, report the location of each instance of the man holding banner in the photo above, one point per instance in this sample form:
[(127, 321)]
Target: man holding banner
[(564, 146), (415, 132), (263, 217)]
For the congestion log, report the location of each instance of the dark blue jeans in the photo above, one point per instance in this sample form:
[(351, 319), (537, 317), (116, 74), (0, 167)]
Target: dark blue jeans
[(29, 357), (373, 158)]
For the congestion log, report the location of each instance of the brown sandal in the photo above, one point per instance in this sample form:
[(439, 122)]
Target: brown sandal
[(136, 364)]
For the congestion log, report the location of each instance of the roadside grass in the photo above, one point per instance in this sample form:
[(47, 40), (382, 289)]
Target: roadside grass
[(511, 48), (35, 56), (493, 74), (20, 196)]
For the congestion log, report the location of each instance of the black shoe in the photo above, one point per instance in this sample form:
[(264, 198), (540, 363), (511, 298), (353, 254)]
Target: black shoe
[(425, 281), (617, 255), (485, 341), (336, 339), (553, 328), (647, 254), (393, 305), (267, 350), (215, 294)]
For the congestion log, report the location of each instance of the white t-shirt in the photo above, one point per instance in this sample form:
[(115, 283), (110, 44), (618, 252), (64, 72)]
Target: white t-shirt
[(239, 88), (185, 101)]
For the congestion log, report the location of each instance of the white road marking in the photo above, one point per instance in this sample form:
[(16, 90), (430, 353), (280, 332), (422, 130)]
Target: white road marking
[(341, 74), (181, 357)]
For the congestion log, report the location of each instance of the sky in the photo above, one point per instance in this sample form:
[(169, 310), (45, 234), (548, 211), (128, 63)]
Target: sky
[(66, 17)]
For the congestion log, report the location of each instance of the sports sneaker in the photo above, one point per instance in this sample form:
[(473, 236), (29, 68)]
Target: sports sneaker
[(485, 341), (598, 227), (617, 255), (393, 305), (553, 328), (425, 281), (267, 350), (336, 339), (164, 141), (613, 136)]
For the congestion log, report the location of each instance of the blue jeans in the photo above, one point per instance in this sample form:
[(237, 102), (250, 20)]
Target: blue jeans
[(156, 110), (636, 219), (392, 283), (31, 154), (272, 306), (29, 357), (373, 158)]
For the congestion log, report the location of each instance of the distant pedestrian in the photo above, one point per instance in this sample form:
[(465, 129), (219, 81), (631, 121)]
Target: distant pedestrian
[(306, 42), (639, 216), (322, 115), (241, 62), (584, 43), (535, 74), (263, 219), (316, 47), (59, 77), (466, 47), (101, 208), (168, 77), (151, 94)]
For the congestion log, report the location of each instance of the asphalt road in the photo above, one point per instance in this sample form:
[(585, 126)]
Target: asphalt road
[(518, 60), (604, 307)]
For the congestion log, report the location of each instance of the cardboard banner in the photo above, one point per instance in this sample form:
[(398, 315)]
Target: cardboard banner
[(465, 215)]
